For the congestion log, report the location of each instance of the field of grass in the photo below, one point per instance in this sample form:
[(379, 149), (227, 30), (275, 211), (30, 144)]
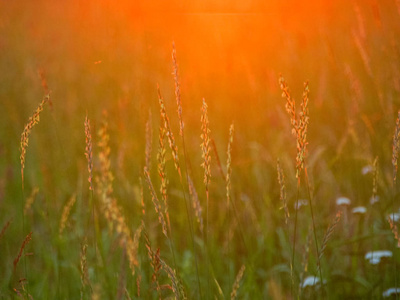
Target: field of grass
[(157, 152)]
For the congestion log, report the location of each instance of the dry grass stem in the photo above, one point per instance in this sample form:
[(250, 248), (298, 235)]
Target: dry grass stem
[(302, 131), (30, 200), (177, 286), (282, 192), (138, 282), (290, 104), (105, 178), (205, 145), (27, 239), (236, 285), (154, 262), (306, 255), (396, 147), (299, 124), (65, 214), (84, 269), (329, 233), (3, 230), (156, 265), (162, 173), (89, 151), (218, 161), (168, 132), (229, 164), (177, 88), (196, 204), (132, 247), (33, 120), (156, 203), (112, 212), (395, 231)]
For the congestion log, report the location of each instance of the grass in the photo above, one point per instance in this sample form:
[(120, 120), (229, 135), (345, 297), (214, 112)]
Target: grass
[(224, 202)]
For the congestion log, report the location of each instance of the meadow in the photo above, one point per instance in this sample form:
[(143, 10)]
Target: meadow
[(199, 151)]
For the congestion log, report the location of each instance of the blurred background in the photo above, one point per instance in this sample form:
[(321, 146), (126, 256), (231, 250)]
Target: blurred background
[(99, 55), (107, 55)]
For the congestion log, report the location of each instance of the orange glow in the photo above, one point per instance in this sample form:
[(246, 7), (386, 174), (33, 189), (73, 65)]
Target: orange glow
[(230, 54)]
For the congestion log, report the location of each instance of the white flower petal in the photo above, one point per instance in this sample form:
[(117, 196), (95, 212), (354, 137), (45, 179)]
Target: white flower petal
[(359, 210), (375, 257), (343, 201), (390, 292)]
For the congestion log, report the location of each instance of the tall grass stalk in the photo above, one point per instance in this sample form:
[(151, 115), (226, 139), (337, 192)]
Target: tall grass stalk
[(158, 263), (3, 230), (315, 233), (65, 214), (112, 212), (189, 211), (33, 120), (237, 282), (205, 147), (306, 254), (282, 197), (21, 252), (230, 202), (160, 212), (162, 173), (196, 206), (154, 262), (84, 269), (282, 191), (89, 157), (299, 129), (228, 187)]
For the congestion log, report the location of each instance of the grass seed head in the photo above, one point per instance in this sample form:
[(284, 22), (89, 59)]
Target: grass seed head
[(229, 163), (299, 124), (236, 285), (88, 151), (168, 132), (33, 120), (205, 145), (162, 172), (27, 239), (156, 202), (177, 88), (65, 214), (396, 146)]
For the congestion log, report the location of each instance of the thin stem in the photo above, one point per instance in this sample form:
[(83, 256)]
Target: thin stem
[(23, 232), (181, 132), (294, 235), (206, 243), (188, 212), (95, 228), (313, 224), (395, 242)]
